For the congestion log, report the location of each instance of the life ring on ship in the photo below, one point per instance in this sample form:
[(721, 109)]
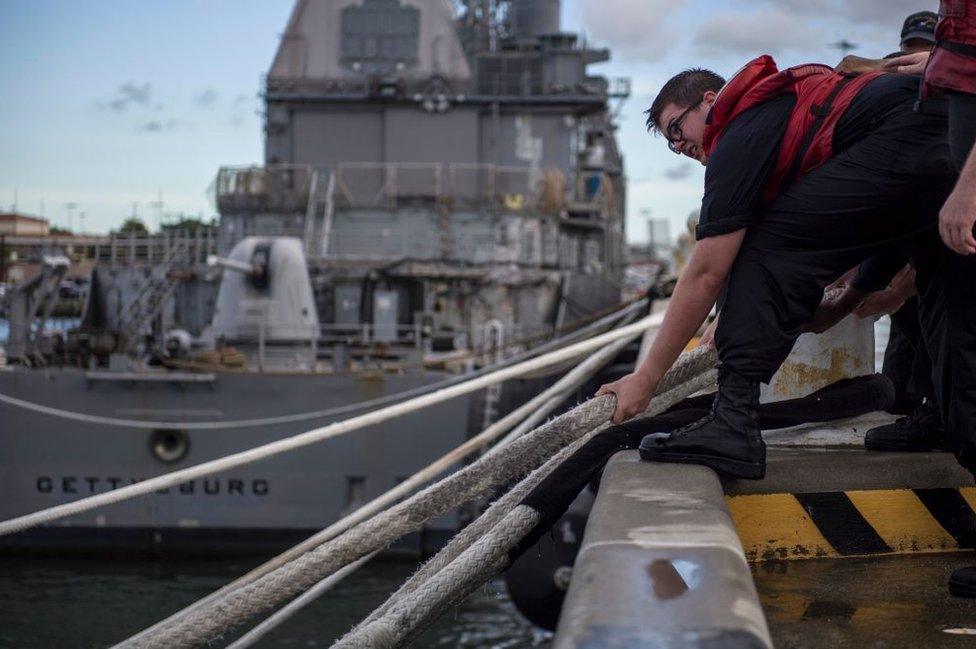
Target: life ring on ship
[(169, 445)]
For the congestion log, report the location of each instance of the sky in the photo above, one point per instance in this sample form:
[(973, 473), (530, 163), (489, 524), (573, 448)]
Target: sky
[(111, 108)]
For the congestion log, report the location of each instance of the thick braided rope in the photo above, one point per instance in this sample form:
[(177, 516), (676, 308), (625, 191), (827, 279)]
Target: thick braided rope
[(570, 381), (302, 573), (463, 539), (458, 572), (448, 587), (474, 531)]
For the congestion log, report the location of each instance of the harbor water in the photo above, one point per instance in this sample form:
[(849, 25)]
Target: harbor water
[(51, 602)]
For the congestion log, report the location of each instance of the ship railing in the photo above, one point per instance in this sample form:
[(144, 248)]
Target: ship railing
[(302, 346), (619, 87), (492, 83), (384, 185), (495, 186), (274, 188), (286, 188), (134, 248), (463, 185)]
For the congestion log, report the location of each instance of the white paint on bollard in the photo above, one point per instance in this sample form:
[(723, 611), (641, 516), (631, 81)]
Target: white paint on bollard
[(843, 352)]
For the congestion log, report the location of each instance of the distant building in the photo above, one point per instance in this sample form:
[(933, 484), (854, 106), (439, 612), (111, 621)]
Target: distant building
[(23, 225), (25, 239)]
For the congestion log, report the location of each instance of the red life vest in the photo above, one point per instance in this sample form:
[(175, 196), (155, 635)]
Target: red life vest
[(822, 97), (952, 65)]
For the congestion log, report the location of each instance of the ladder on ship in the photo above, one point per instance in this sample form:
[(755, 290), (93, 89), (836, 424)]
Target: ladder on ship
[(318, 215), (152, 296)]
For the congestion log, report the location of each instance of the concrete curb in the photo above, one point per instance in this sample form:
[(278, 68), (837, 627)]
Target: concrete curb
[(661, 565)]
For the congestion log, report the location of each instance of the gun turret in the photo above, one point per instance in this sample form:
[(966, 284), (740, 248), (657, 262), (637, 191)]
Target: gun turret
[(257, 270)]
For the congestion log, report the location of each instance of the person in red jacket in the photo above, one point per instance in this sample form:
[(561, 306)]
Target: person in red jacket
[(808, 173)]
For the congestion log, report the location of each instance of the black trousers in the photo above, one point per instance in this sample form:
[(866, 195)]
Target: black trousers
[(886, 188), (955, 364), (904, 339)]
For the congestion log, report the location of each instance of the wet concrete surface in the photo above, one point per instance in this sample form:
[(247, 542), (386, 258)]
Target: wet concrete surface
[(895, 601)]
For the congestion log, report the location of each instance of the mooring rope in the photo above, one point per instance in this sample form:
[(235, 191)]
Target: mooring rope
[(85, 418), (291, 608), (501, 507), (335, 429), (449, 586), (560, 389), (489, 471)]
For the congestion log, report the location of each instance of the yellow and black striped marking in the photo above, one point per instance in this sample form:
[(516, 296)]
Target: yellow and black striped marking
[(854, 523)]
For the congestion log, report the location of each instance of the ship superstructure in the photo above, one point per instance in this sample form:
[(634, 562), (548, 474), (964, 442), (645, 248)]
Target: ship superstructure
[(441, 188), (444, 170)]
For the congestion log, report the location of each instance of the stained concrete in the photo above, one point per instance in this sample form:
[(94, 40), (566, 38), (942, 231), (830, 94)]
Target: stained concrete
[(895, 602), (810, 469)]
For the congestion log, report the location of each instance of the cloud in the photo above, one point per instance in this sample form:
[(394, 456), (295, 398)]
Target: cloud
[(241, 100), (642, 35), (131, 94), (759, 32), (157, 126), (137, 94), (206, 98), (678, 172)]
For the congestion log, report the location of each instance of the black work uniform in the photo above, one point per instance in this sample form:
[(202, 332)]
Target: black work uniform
[(906, 359), (955, 366), (888, 176)]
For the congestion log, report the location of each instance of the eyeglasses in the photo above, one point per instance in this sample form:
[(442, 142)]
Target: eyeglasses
[(673, 132)]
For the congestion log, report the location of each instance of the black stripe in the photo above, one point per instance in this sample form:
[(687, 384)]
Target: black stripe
[(841, 524), (953, 513), (958, 48), (821, 112)]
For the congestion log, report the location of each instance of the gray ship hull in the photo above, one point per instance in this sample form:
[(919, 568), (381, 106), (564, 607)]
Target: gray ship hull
[(47, 461)]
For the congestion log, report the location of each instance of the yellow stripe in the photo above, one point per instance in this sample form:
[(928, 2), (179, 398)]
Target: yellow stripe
[(900, 518), (775, 526), (969, 495)]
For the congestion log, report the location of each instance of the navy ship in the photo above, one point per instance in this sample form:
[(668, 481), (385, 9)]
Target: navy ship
[(442, 189)]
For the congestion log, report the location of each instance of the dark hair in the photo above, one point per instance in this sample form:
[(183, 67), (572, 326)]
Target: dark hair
[(682, 90)]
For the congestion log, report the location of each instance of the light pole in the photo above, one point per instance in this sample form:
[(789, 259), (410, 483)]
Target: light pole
[(158, 206), (71, 214)]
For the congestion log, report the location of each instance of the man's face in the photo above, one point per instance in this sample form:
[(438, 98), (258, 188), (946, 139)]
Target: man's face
[(913, 45), (684, 126)]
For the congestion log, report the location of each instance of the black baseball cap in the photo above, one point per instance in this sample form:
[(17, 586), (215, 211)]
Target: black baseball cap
[(920, 25)]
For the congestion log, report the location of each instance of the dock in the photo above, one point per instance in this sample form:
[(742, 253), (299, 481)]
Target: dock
[(849, 546)]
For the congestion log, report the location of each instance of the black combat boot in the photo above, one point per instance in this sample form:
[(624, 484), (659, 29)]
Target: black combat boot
[(920, 431), (727, 440)]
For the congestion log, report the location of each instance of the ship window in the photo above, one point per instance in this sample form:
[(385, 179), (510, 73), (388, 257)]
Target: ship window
[(379, 36)]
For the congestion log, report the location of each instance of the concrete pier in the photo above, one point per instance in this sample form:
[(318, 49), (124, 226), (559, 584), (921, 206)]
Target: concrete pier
[(661, 565)]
